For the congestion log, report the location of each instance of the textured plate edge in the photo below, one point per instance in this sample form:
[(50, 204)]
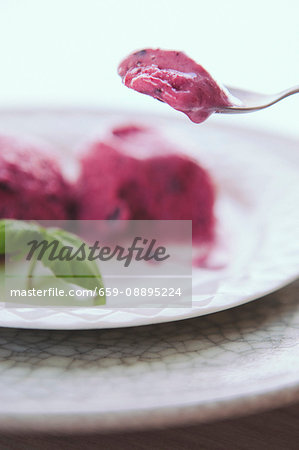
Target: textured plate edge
[(153, 418), (139, 323)]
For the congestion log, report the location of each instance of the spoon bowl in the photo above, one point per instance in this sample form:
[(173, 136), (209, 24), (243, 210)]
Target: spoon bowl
[(253, 101)]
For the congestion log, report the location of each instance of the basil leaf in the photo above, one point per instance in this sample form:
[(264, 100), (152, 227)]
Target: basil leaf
[(2, 237), (14, 234), (84, 273)]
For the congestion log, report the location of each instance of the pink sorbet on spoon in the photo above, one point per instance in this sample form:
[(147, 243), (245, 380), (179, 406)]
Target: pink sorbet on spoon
[(174, 78)]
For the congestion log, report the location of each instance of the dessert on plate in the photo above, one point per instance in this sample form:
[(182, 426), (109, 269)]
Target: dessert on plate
[(31, 183), (134, 173)]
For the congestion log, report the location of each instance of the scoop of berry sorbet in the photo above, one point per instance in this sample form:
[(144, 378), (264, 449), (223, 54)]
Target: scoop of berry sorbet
[(31, 184), (121, 180), (174, 78), (108, 177)]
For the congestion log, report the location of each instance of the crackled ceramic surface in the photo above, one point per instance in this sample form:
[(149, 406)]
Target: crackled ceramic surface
[(198, 369)]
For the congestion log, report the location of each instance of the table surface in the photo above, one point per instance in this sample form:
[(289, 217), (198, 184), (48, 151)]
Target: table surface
[(276, 430)]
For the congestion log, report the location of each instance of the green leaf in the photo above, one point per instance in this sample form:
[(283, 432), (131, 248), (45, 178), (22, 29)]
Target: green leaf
[(14, 234), (85, 273), (2, 237)]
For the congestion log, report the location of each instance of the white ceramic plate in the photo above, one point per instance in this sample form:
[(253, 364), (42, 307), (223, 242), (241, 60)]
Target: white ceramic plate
[(220, 365), (258, 195)]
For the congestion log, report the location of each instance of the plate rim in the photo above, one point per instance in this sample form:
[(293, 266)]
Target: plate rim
[(160, 320), (130, 420)]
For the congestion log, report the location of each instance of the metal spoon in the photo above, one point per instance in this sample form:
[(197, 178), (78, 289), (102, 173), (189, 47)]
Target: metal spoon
[(253, 101)]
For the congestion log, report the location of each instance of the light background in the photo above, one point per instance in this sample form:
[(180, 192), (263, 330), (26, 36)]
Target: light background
[(66, 52)]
